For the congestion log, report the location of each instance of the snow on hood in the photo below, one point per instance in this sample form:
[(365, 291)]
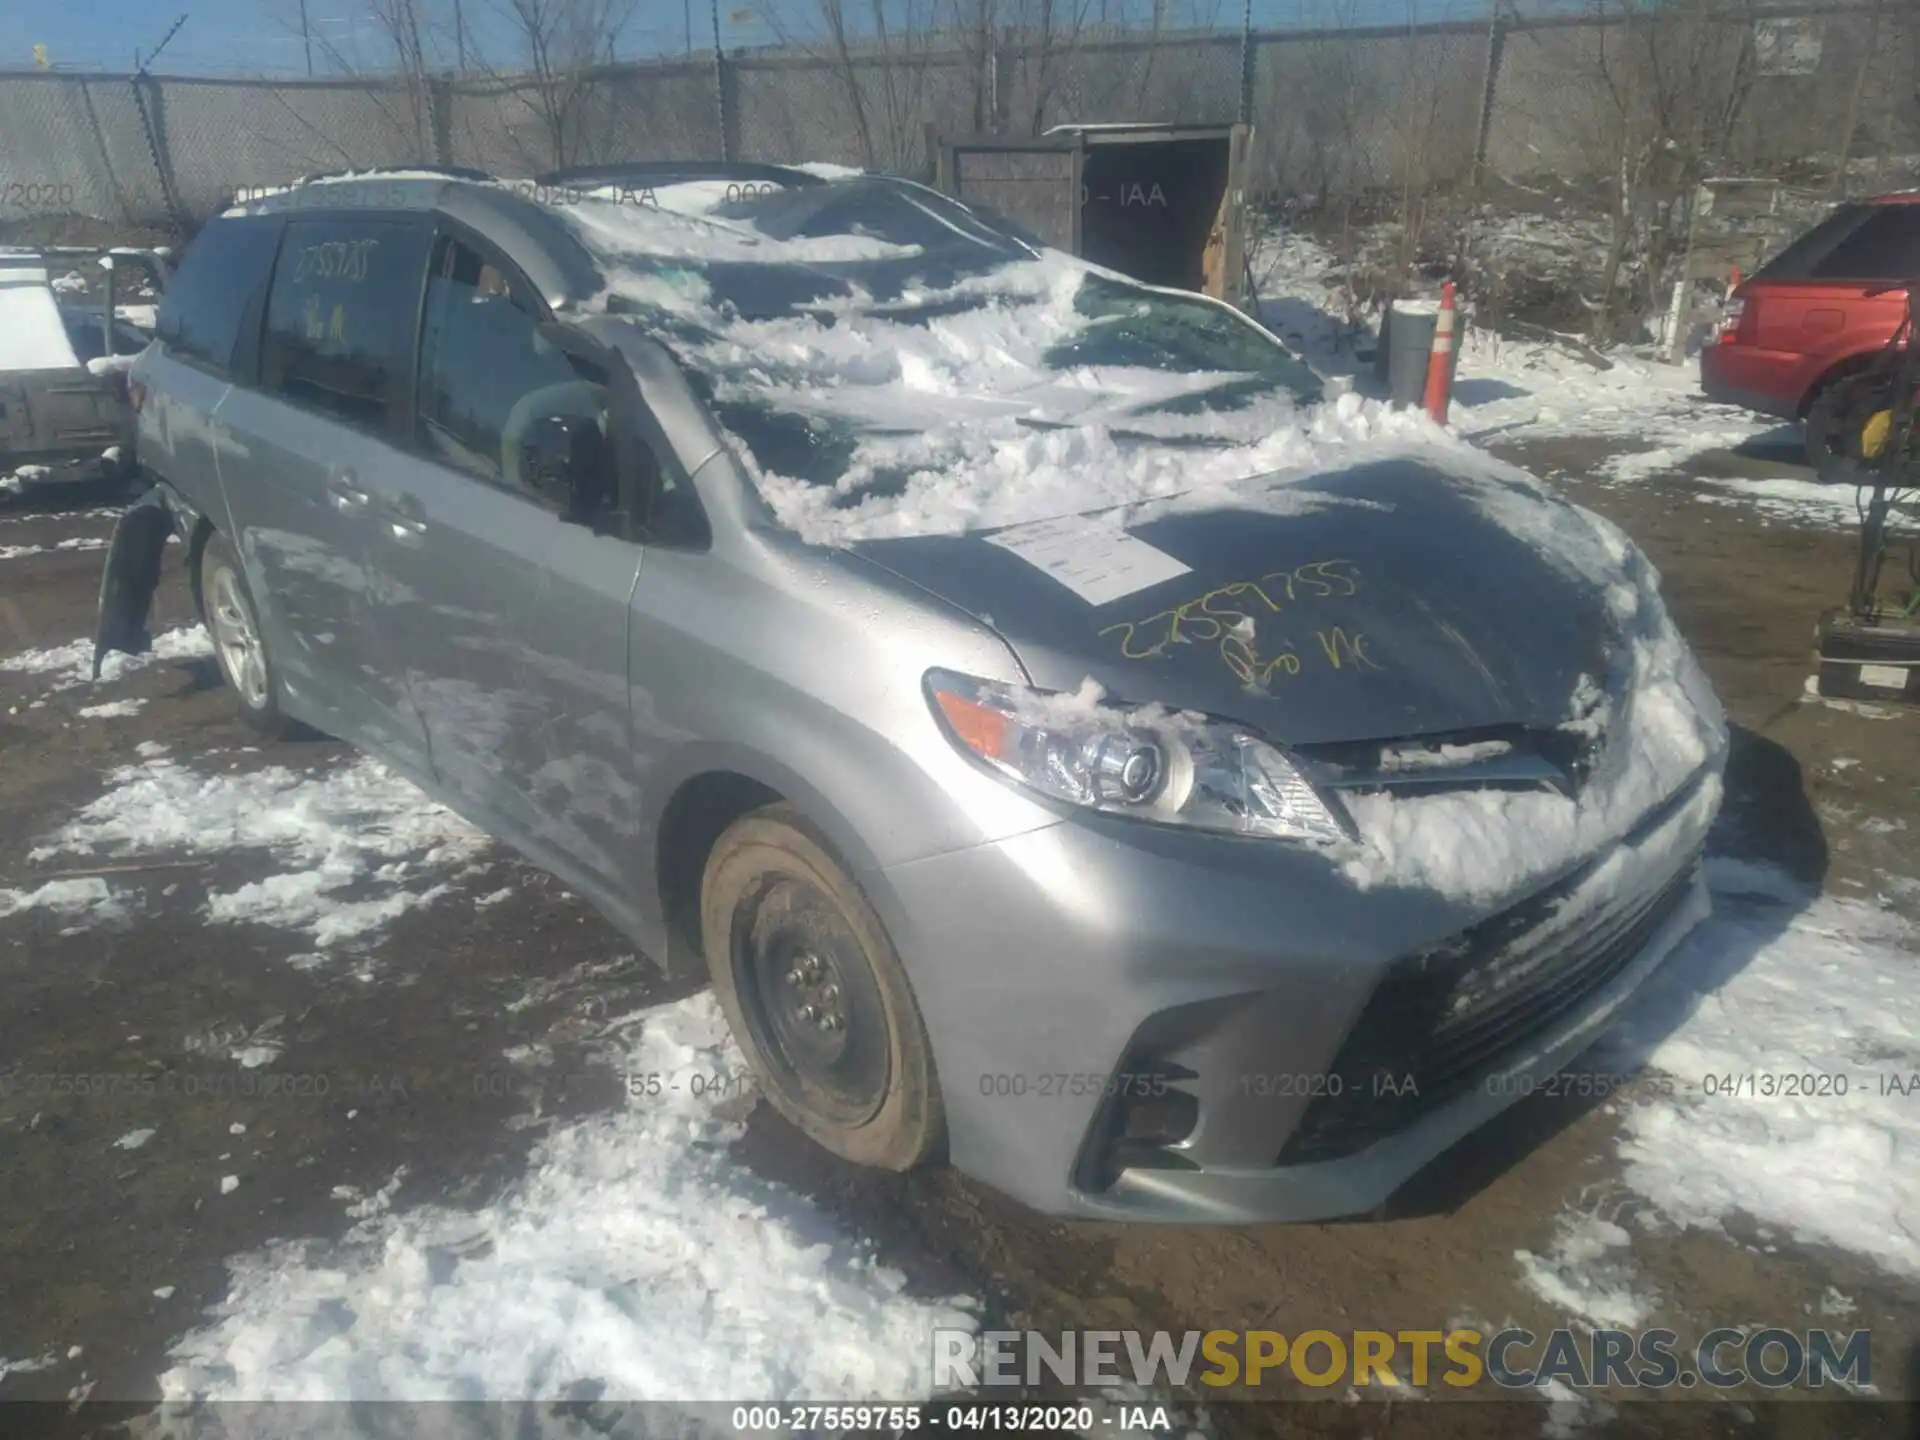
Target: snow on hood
[(1655, 714), (958, 400)]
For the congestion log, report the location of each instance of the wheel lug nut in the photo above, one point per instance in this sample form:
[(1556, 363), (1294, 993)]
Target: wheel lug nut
[(830, 994), (807, 1012), (796, 976)]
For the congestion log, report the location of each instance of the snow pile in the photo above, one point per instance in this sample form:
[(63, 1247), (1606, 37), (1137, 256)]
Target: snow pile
[(983, 474), (1517, 390), (1657, 719), (27, 1367), (1790, 990), (78, 542), (991, 390), (1808, 504), (1587, 1275), (637, 1260), (86, 895), (71, 665), (112, 710), (356, 835)]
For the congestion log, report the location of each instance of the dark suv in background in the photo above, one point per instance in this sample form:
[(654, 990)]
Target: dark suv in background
[(1807, 318)]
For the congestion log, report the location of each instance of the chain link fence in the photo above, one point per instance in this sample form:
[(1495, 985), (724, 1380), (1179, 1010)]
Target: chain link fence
[(1336, 112)]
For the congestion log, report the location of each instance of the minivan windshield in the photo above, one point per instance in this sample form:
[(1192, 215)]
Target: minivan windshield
[(866, 334)]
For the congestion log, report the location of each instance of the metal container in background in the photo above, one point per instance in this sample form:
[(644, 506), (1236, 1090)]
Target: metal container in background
[(1406, 346), (1166, 204)]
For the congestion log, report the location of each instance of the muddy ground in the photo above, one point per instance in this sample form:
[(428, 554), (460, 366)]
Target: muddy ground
[(412, 1043)]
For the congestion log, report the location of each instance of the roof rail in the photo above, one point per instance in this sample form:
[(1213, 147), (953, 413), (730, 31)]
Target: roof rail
[(451, 172), (668, 172)]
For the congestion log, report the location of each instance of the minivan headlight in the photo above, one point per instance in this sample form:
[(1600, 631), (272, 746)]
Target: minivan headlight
[(1172, 768)]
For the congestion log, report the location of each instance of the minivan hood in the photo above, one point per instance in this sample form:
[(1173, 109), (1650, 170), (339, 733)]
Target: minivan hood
[(1390, 602)]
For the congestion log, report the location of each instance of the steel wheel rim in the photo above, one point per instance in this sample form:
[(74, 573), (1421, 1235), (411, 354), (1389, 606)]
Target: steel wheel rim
[(236, 641), (811, 1002)]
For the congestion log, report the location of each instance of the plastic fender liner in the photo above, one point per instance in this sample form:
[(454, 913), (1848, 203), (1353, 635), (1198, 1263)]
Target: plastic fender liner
[(131, 576)]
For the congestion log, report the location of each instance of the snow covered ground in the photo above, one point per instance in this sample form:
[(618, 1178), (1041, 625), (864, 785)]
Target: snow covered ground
[(1780, 1096), (636, 1260), (1512, 390), (1790, 1028)]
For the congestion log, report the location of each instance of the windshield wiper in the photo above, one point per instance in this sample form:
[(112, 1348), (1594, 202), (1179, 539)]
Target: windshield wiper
[(1177, 442)]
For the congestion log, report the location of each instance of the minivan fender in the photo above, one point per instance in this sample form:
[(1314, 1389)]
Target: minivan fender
[(672, 899)]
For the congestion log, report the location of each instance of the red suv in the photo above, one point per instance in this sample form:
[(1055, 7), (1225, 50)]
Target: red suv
[(1805, 319)]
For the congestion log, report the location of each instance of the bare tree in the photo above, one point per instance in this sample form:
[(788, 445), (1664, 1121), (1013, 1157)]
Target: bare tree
[(1049, 34), (1868, 54), (1676, 78), (882, 73), (562, 49), (399, 77)]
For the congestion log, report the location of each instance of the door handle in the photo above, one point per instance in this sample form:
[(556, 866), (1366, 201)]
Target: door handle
[(348, 498), (406, 519)]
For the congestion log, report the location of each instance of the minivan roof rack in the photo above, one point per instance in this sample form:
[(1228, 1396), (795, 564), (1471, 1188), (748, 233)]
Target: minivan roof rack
[(668, 172)]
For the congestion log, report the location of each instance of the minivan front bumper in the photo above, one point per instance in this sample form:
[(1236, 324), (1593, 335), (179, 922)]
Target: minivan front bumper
[(1273, 1039)]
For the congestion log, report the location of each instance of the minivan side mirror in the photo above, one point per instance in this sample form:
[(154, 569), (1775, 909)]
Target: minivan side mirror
[(565, 458)]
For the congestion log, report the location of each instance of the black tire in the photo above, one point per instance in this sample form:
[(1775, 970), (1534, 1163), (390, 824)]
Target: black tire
[(1821, 432), (1833, 421), (224, 599), (789, 941)]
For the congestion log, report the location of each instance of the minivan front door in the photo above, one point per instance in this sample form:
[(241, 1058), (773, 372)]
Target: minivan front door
[(508, 624), (309, 447)]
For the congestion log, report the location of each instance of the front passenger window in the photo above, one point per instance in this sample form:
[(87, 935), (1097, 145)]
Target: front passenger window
[(488, 378)]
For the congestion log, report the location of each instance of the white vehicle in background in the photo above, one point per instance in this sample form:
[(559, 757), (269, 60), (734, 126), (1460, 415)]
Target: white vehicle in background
[(64, 408)]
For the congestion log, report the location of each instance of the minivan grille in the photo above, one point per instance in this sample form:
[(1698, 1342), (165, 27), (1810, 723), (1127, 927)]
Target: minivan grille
[(1493, 757), (1443, 1017)]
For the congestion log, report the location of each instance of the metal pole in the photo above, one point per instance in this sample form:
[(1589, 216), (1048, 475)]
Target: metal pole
[(720, 83), (1246, 65), (459, 36), (1489, 87), (688, 5), (306, 40)]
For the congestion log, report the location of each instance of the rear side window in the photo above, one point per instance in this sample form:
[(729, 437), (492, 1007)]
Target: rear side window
[(1886, 247), (206, 301), (341, 317)]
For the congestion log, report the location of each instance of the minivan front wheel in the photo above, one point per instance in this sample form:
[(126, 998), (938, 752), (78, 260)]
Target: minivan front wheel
[(234, 625), (817, 999)]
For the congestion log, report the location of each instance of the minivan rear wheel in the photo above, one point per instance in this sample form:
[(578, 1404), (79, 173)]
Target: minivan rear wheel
[(234, 624), (816, 996)]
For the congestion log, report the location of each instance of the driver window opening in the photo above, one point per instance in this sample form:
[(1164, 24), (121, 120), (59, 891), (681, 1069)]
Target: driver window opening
[(489, 379)]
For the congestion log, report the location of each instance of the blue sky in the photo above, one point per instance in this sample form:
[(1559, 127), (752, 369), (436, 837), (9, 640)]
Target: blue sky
[(250, 37)]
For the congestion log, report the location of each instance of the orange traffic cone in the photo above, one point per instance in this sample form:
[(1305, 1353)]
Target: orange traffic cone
[(1440, 359)]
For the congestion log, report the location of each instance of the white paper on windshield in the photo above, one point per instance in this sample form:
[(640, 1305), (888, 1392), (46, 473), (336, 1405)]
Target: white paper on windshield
[(1100, 563)]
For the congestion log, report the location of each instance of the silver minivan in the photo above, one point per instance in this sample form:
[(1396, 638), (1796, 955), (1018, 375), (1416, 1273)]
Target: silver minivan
[(1073, 744)]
